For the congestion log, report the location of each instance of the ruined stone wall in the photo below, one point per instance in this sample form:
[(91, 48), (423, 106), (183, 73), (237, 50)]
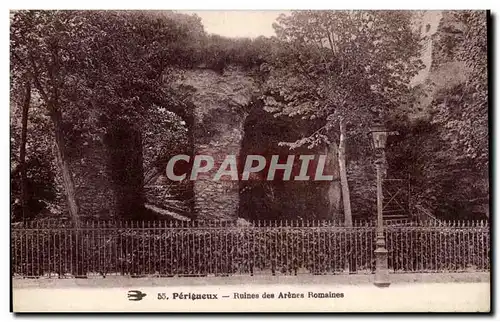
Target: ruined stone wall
[(447, 70), (442, 70), (106, 174), (426, 23), (94, 190), (220, 101)]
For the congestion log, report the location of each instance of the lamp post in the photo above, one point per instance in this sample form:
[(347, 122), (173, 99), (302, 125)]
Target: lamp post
[(379, 134)]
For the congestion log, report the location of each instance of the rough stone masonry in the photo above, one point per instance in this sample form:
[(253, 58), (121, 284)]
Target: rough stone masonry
[(218, 130)]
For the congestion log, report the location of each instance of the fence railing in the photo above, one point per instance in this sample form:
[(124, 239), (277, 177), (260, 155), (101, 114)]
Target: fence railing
[(160, 248)]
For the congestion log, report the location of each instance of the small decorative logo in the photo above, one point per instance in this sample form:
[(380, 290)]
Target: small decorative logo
[(135, 295)]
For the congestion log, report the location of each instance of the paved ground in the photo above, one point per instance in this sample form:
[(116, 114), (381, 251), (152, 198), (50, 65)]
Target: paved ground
[(409, 292)]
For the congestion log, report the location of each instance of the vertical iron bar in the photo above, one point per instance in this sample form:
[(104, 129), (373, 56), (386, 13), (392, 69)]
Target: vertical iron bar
[(331, 254), (225, 267), (170, 243), (18, 260), (310, 257), (434, 248), (185, 244), (420, 246), (441, 248), (408, 247), (151, 236), (70, 248), (280, 248), (483, 253), (100, 249), (191, 248), (95, 257), (67, 260), (474, 245), (253, 233), (77, 250), (104, 244), (355, 232), (126, 241), (13, 250), (119, 248), (40, 272), (143, 253), (29, 249), (130, 247), (453, 245), (208, 248), (471, 244), (93, 261), (177, 237), (302, 244), (423, 237), (346, 236), (164, 249), (43, 248), (51, 259), (59, 236), (447, 253), (310, 240), (481, 246), (467, 244)]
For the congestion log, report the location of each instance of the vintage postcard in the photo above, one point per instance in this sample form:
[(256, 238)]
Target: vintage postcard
[(249, 161)]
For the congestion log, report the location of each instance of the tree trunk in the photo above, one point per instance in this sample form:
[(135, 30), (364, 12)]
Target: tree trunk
[(22, 150), (63, 163), (346, 198), (56, 117)]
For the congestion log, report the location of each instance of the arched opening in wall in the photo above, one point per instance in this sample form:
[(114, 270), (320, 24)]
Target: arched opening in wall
[(166, 135), (137, 155), (278, 199)]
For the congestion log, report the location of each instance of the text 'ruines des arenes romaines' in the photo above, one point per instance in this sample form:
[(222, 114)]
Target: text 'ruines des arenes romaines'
[(286, 295)]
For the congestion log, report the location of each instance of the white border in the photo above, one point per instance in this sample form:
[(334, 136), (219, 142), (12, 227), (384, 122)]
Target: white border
[(209, 5), (255, 5)]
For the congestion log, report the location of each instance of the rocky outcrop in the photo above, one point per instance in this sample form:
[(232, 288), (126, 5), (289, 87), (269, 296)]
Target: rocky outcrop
[(426, 23), (442, 70)]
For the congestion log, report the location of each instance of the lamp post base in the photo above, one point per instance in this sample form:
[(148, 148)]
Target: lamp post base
[(381, 265), (381, 283)]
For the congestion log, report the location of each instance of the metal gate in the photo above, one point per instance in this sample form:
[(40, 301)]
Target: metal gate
[(396, 203)]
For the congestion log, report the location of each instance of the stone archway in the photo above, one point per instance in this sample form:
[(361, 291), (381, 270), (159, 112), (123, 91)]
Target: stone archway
[(225, 115)]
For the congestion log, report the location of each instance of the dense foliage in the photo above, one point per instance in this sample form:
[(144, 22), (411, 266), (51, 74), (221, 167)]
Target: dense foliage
[(446, 151), (98, 77)]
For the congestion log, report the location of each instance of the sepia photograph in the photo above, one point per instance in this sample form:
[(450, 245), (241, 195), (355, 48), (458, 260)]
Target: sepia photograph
[(249, 161)]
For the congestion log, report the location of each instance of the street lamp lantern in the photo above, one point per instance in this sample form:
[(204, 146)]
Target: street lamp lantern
[(379, 135)]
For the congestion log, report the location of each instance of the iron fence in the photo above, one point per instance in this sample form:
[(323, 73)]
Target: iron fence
[(221, 248)]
